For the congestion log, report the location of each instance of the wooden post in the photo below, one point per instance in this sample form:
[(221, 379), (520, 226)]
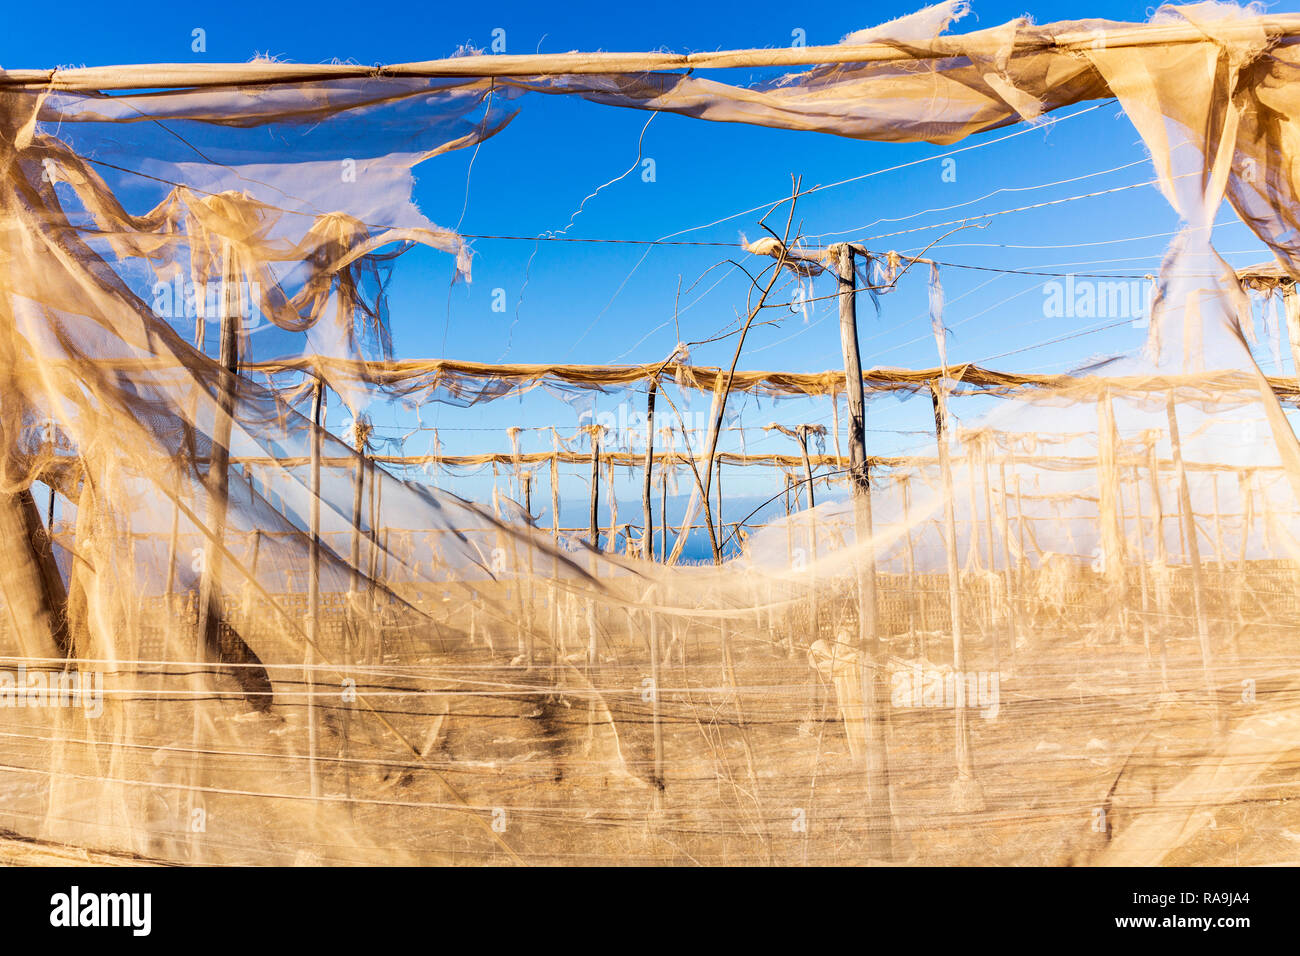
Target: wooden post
[(914, 589), (1221, 559), (594, 540), (358, 496), (611, 543), (1246, 495), (558, 645), (217, 481), (555, 497), (654, 702), (835, 421), (1162, 562), (1109, 508), (648, 531), (1007, 575), (802, 432), (593, 532), (880, 825), (986, 447), (356, 621), (526, 602), (814, 618), (967, 793), (1142, 565), (1122, 524), (719, 480), (173, 540), (1194, 557), (1023, 564), (374, 636), (218, 477), (313, 582), (663, 514), (972, 452)]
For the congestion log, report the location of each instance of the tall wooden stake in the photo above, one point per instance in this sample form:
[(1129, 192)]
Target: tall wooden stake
[(218, 478), (1007, 572), (880, 825), (208, 635), (720, 538), (1162, 562), (594, 540), (313, 582), (995, 631), (1194, 557), (648, 530), (530, 611), (814, 617), (913, 584), (593, 530), (1140, 538), (611, 544), (967, 794), (663, 515)]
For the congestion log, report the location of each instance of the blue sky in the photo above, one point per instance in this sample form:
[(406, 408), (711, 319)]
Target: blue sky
[(613, 303)]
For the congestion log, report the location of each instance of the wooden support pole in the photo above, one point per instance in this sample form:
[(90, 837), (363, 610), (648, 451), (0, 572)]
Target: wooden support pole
[(1109, 508), (814, 617), (1007, 573), (789, 553), (1023, 564), (972, 452), (218, 477), (358, 498), (313, 583), (720, 537), (1122, 524), (655, 682), (555, 498), (374, 634), (967, 793), (1194, 557), (594, 540), (663, 515), (1222, 556), (880, 825), (1162, 564), (914, 589), (802, 432), (530, 609), (357, 620), (217, 482), (611, 543), (558, 632), (648, 529), (1246, 495), (173, 541), (995, 633), (593, 533), (1143, 584), (835, 421)]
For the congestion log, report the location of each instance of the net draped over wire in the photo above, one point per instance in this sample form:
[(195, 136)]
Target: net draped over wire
[(306, 657)]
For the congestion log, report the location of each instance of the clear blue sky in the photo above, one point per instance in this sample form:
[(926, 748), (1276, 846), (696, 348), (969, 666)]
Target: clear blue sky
[(601, 304)]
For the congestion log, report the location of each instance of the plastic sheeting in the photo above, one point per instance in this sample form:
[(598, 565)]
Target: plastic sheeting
[(312, 661)]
